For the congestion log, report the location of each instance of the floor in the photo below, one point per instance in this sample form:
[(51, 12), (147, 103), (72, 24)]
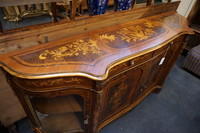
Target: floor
[(174, 110)]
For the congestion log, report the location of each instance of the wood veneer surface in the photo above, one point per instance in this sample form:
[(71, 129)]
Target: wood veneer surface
[(94, 53)]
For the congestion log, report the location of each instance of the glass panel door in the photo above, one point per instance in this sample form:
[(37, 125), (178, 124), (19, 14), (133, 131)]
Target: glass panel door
[(62, 114)]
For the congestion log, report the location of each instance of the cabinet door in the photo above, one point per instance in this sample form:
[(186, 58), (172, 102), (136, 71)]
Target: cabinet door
[(59, 114), (156, 72), (170, 58), (150, 77), (119, 91)]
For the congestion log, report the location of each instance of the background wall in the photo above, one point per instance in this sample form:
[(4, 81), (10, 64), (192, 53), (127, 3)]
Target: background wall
[(185, 7)]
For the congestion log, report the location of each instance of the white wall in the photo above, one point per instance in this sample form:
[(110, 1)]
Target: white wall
[(185, 6)]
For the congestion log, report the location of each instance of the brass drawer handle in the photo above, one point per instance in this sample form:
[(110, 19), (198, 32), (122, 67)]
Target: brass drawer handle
[(132, 62)]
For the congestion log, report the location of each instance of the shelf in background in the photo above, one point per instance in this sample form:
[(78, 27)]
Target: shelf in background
[(63, 123)]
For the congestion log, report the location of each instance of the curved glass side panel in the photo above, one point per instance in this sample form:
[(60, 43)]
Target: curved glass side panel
[(61, 114)]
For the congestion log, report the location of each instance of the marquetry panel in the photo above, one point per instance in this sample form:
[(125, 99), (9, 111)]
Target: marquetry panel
[(119, 90), (53, 83), (93, 54), (131, 63), (132, 34)]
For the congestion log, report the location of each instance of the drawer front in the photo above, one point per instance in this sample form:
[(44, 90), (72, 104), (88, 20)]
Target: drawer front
[(150, 77), (54, 83), (178, 40), (130, 63)]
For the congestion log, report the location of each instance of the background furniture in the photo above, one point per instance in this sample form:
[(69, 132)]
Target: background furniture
[(192, 60), (11, 109), (16, 13), (194, 22), (137, 3)]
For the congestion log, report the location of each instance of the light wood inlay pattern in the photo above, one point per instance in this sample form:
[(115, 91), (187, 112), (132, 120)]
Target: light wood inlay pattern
[(94, 53)]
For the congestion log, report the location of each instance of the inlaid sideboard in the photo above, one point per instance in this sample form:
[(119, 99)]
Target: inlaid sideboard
[(84, 82)]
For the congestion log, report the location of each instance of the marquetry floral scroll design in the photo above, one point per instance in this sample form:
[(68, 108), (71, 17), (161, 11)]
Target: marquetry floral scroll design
[(119, 93), (138, 32), (108, 37), (52, 82), (76, 48)]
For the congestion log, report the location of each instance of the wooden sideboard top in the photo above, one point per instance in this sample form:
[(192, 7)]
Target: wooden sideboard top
[(93, 54)]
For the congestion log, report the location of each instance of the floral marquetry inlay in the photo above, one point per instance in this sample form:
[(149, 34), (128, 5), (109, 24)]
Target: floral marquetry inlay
[(135, 33), (95, 52), (52, 82), (75, 48), (128, 36), (138, 32), (105, 36), (119, 93)]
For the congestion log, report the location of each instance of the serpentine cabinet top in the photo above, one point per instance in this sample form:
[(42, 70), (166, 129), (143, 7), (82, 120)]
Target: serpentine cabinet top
[(93, 54)]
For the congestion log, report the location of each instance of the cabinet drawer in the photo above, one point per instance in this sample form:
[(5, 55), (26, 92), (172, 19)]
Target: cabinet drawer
[(160, 50), (178, 40), (52, 83), (130, 63)]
